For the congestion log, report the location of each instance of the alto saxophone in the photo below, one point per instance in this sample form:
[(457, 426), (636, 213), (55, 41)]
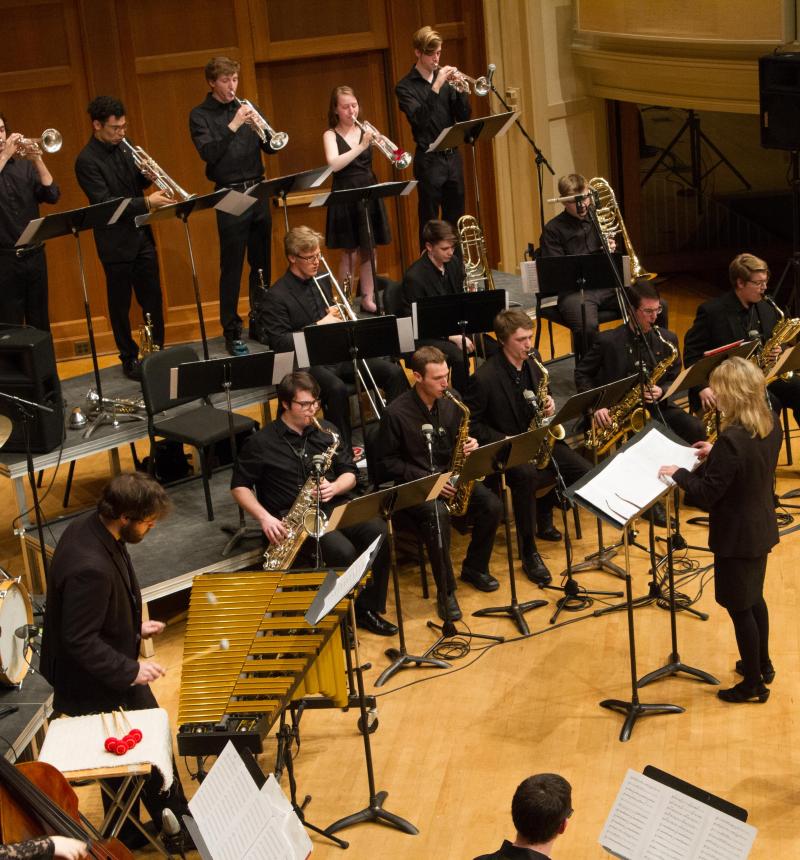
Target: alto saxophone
[(555, 432), (629, 414), (458, 504), (784, 331), (301, 521)]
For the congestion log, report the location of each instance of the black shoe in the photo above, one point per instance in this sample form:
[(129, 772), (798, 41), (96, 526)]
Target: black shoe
[(234, 346), (453, 609), (767, 671), (368, 619), (132, 368), (741, 693), (482, 580), (549, 532), (535, 569)]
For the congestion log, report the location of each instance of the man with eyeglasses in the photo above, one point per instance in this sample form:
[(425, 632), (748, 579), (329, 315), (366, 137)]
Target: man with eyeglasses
[(272, 468), (302, 298), (106, 171), (740, 314)]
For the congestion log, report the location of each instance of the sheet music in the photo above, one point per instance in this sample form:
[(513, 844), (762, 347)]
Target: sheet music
[(651, 821), (530, 278)]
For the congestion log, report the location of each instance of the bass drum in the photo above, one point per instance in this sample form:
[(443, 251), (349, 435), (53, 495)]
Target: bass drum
[(15, 612)]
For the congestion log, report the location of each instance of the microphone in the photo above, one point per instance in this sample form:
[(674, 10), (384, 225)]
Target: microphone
[(317, 462), (172, 829), (427, 432), (530, 397), (490, 74), (27, 631)]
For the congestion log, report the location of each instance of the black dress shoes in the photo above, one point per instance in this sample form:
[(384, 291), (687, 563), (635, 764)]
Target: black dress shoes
[(453, 609), (767, 671), (368, 619), (549, 532), (743, 693), (132, 368), (236, 346), (535, 569), (482, 580)]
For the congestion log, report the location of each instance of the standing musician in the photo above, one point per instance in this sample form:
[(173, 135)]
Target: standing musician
[(500, 408), (613, 356), (432, 105), (272, 468), (405, 455), (24, 184), (105, 171), (439, 271), (741, 313), (296, 300), (572, 233), (93, 624), (222, 129), (348, 151)]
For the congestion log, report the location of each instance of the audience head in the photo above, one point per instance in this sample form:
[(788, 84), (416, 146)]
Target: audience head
[(541, 806)]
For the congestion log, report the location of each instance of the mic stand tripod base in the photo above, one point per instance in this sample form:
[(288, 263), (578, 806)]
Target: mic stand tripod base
[(514, 611), (600, 560), (672, 668), (111, 418), (635, 709), (401, 660), (238, 534)]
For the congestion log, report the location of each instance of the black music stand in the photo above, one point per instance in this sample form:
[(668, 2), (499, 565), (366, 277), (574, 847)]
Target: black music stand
[(281, 186), (224, 200), (499, 457), (230, 373), (384, 504), (470, 132), (458, 313), (73, 222), (362, 197)]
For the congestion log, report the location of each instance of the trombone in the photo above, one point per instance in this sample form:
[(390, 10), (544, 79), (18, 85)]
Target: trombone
[(346, 313), (148, 167), (277, 139)]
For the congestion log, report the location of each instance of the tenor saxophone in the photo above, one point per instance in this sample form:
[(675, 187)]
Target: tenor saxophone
[(458, 504), (555, 432), (301, 521)]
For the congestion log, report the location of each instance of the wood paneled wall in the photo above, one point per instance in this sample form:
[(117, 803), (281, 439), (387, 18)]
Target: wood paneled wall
[(58, 54)]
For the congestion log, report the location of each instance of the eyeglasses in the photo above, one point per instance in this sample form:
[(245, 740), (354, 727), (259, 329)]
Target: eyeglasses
[(312, 258), (652, 311), (759, 283), (306, 404)]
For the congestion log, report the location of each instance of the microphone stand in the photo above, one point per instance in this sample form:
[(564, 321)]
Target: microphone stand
[(317, 463)]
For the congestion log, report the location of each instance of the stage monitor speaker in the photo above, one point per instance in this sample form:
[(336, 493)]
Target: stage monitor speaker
[(779, 93), (28, 370)]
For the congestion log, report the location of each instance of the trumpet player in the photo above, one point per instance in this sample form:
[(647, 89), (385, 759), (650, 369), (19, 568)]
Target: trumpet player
[(24, 184), (105, 170), (300, 298), (224, 132), (348, 150), (432, 105), (503, 399)]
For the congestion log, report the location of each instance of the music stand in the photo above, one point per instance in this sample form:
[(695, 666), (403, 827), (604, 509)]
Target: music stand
[(384, 504), (225, 200), (469, 132), (362, 197), (458, 313), (230, 373), (73, 222), (281, 186)]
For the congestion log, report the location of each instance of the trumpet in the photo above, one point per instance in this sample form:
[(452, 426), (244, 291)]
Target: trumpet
[(277, 139), (117, 405), (461, 83), (147, 166), (398, 157), (32, 147)]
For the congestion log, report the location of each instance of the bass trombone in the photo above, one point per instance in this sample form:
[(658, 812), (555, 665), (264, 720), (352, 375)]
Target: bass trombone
[(398, 157), (277, 139), (147, 166)]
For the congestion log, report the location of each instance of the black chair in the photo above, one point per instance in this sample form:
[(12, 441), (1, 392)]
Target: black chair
[(200, 425)]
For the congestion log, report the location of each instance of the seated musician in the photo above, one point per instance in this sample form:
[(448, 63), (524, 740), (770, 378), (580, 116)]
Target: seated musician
[(297, 300), (439, 271), (741, 313), (405, 456), (572, 233), (276, 462), (499, 409), (45, 848)]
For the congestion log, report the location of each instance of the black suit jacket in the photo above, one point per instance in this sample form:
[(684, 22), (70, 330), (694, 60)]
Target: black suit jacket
[(736, 487), (90, 643), (496, 409), (290, 306), (104, 176)]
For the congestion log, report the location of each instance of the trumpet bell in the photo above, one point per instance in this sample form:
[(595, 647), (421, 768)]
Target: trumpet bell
[(51, 140), (482, 87), (402, 160), (278, 140)]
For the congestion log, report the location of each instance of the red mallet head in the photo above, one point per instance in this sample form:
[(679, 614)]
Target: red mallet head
[(121, 748), (135, 734), (110, 744)]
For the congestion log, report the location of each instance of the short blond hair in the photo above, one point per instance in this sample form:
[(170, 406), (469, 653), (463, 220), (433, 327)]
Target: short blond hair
[(301, 240), (426, 40), (741, 394), (743, 267)]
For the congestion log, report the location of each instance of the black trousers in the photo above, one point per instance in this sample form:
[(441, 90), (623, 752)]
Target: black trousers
[(333, 380), (342, 547), (139, 277), (251, 233), (23, 290), (523, 482), (441, 187), (484, 513)]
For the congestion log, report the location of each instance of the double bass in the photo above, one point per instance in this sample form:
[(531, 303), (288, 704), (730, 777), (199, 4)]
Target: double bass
[(36, 800)]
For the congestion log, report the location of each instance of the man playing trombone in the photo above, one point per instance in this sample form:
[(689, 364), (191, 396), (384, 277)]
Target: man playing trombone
[(300, 298), (105, 170)]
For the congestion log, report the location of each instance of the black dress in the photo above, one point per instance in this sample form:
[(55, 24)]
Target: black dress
[(345, 227)]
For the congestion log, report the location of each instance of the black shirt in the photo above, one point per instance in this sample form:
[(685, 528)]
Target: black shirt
[(566, 235), (430, 113), (423, 278), (21, 192), (520, 381), (230, 157), (509, 851), (290, 305), (276, 461)]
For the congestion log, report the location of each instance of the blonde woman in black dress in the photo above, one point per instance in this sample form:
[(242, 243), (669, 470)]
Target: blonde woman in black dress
[(737, 487), (348, 151)]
